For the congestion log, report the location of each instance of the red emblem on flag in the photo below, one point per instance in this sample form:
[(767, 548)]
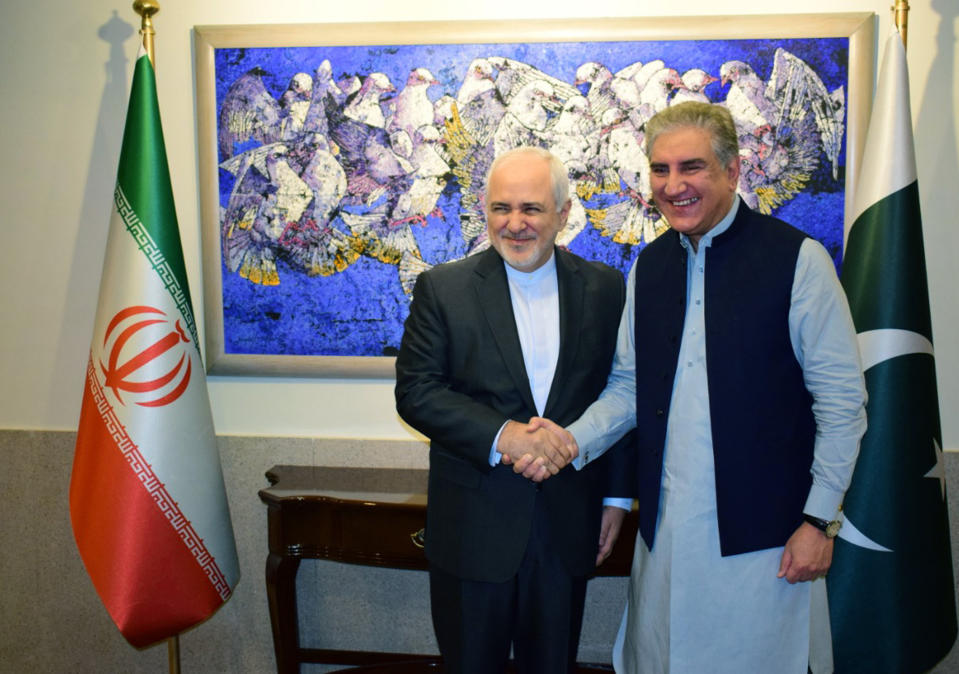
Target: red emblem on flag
[(140, 339)]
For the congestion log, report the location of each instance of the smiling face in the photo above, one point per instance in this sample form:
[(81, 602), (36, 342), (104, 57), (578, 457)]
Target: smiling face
[(522, 218), (691, 188)]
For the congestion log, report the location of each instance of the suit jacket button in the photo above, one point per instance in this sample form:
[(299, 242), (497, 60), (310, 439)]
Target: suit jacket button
[(660, 413)]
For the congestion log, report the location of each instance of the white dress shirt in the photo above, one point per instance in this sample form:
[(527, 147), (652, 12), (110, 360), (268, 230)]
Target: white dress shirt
[(535, 299)]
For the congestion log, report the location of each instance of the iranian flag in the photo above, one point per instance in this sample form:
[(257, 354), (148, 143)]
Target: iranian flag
[(147, 498), (891, 596)]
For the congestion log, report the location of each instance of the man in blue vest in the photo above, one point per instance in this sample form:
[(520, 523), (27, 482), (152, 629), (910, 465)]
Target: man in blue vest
[(737, 363)]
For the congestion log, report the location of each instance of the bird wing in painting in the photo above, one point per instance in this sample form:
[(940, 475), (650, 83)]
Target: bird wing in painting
[(783, 125), (248, 112), (800, 91)]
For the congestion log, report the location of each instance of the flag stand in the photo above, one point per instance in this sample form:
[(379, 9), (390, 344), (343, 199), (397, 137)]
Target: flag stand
[(180, 563)]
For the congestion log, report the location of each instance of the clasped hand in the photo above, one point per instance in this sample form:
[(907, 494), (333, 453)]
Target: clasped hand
[(538, 449)]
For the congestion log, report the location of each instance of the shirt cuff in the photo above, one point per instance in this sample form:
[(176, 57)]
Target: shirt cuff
[(494, 456), (583, 457), (823, 503), (624, 503)]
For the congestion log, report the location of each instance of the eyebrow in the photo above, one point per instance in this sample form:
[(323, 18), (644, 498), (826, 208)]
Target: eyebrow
[(686, 164), (524, 205)]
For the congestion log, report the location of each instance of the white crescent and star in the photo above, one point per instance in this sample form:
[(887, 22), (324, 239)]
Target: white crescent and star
[(877, 346)]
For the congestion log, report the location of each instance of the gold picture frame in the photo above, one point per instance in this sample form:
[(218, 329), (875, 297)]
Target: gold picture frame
[(858, 29)]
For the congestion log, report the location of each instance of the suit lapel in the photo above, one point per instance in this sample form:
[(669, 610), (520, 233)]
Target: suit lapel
[(493, 298), (571, 298)]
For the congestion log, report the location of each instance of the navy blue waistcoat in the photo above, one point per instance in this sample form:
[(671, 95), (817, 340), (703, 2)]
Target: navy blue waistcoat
[(763, 428)]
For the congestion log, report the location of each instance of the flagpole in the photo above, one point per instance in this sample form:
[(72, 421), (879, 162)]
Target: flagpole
[(146, 9), (901, 18), (173, 653)]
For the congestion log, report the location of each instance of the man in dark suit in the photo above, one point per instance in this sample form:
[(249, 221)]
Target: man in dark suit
[(519, 331)]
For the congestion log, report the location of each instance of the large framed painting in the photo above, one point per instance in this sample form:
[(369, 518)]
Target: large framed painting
[(339, 161)]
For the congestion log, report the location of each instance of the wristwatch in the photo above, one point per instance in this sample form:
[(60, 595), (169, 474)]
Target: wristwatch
[(831, 529)]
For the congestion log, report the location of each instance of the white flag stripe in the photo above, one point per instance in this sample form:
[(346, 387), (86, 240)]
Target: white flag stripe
[(876, 346), (890, 134)]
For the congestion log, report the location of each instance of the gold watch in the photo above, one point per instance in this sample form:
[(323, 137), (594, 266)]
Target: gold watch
[(831, 529)]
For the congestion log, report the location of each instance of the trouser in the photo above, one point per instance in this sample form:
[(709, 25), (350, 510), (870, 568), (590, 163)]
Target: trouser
[(539, 612)]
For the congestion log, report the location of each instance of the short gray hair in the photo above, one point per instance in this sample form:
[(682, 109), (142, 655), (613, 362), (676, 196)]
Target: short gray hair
[(714, 119), (557, 171)]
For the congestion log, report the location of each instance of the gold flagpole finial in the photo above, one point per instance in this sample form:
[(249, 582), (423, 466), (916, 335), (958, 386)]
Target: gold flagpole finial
[(146, 9), (901, 18)]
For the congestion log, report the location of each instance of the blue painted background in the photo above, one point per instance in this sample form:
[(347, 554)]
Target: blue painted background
[(360, 311)]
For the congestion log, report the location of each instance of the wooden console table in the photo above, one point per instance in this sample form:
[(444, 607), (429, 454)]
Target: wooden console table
[(368, 516)]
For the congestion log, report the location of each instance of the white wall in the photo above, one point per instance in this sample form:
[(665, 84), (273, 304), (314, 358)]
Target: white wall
[(62, 111)]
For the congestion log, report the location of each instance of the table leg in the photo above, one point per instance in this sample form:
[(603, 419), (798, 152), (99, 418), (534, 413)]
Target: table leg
[(281, 593)]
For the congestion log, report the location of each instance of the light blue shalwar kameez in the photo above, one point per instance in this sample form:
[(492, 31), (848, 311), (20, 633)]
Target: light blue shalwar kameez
[(690, 609)]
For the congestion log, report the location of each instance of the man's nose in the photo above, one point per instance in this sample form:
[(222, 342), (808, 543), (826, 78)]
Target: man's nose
[(675, 184), (514, 221)]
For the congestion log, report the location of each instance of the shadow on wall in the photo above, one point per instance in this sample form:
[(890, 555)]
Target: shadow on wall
[(938, 148), (79, 306)]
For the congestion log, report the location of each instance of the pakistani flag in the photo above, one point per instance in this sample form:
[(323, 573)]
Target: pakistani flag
[(147, 499), (890, 587)]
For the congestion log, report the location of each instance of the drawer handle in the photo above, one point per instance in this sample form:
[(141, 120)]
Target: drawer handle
[(419, 538)]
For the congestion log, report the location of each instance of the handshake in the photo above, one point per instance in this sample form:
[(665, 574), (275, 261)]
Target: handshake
[(538, 449)]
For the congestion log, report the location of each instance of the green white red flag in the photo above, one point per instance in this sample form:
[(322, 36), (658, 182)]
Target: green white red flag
[(147, 498), (891, 593)]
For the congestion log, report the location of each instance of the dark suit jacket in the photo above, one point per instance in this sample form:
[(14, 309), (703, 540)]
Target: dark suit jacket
[(460, 376)]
